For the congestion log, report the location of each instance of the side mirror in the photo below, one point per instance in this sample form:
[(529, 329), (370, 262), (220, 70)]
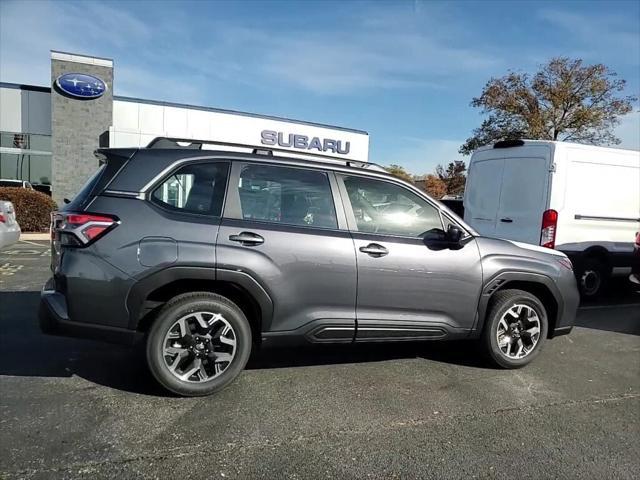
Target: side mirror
[(454, 234)]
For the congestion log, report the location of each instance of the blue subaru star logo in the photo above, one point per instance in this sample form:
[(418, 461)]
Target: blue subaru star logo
[(81, 85)]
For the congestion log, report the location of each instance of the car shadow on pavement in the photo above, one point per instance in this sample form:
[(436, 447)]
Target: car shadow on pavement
[(27, 352), (457, 352), (625, 320)]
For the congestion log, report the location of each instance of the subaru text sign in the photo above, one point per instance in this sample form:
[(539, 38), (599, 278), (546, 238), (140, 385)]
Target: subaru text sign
[(304, 142), (81, 85)]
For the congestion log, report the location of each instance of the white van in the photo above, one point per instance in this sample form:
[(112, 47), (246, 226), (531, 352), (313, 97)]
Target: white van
[(579, 199)]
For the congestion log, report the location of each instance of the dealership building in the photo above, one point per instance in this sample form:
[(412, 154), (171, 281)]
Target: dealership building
[(48, 134)]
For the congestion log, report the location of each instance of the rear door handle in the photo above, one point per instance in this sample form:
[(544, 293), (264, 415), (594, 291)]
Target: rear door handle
[(375, 250), (506, 220), (247, 238)]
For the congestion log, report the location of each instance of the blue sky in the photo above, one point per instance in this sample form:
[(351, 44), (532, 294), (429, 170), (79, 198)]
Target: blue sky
[(403, 71)]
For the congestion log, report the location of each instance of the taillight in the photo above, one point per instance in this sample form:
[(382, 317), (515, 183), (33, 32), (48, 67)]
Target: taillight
[(2, 218), (548, 230), (81, 229), (638, 239)]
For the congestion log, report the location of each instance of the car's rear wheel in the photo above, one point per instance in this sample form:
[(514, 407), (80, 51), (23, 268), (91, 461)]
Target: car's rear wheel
[(515, 328), (199, 343)]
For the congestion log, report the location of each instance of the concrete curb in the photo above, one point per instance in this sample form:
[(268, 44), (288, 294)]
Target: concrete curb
[(35, 236)]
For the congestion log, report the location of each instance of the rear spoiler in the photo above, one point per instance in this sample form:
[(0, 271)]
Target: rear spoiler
[(104, 154)]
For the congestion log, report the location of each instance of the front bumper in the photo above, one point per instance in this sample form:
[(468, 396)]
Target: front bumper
[(54, 320), (568, 299)]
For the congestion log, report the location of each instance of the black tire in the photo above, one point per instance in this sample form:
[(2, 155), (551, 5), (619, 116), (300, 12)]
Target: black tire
[(592, 277), (501, 302), (177, 308)]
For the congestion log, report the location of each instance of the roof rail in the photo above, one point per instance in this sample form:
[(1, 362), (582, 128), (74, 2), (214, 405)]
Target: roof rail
[(193, 144)]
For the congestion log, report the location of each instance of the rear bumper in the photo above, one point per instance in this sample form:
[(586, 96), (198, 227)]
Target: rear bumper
[(54, 320)]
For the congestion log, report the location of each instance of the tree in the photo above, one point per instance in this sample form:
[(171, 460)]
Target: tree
[(434, 186), (564, 100), (399, 172), (454, 177)]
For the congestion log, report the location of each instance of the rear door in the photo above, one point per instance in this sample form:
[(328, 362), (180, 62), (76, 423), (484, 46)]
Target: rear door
[(281, 227), (523, 195), (482, 192)]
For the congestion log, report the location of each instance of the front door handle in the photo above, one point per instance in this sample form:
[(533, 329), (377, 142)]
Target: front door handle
[(247, 238), (506, 220), (375, 250)]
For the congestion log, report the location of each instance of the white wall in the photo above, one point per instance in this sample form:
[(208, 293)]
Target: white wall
[(136, 124)]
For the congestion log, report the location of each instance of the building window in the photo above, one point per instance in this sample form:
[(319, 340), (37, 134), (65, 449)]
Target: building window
[(25, 156)]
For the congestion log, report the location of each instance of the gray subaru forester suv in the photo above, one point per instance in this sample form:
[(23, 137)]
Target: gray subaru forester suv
[(206, 255)]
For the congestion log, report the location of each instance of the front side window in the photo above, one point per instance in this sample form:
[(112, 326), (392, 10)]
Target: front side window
[(197, 188), (285, 195), (389, 209)]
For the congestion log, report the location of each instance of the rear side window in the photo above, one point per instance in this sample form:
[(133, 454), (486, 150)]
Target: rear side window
[(197, 188), (284, 195)]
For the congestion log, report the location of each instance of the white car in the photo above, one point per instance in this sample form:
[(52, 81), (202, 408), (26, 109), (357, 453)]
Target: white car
[(9, 228), (15, 183)]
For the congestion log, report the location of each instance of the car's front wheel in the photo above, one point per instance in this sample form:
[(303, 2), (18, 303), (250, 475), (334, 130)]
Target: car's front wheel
[(515, 328), (199, 343)]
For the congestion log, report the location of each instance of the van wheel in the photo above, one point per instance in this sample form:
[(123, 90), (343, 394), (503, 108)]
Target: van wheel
[(515, 328), (592, 278), (198, 344)]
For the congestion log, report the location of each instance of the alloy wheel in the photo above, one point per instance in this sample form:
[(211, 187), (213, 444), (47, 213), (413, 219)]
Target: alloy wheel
[(518, 331), (199, 347)]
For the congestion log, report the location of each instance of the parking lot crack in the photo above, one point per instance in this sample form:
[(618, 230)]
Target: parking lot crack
[(214, 447)]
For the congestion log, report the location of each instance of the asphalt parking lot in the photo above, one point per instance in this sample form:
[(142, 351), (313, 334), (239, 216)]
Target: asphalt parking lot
[(80, 409)]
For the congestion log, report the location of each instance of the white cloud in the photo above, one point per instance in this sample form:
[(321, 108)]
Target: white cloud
[(29, 30), (609, 35), (629, 131), (383, 48)]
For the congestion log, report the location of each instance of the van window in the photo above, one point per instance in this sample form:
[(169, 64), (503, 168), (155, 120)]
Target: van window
[(292, 196), (524, 184), (483, 191), (386, 208)]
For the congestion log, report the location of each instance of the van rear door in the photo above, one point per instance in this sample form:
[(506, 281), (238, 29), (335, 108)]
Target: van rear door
[(482, 192), (524, 193)]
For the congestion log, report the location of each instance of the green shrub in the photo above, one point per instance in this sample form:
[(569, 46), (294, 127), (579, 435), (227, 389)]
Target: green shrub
[(33, 208)]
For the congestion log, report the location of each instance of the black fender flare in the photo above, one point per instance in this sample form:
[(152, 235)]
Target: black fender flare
[(500, 279), (143, 287)]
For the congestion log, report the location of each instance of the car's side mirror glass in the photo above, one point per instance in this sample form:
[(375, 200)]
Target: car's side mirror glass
[(454, 234)]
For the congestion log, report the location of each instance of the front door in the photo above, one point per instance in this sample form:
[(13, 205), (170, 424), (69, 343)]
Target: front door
[(408, 286), (281, 228)]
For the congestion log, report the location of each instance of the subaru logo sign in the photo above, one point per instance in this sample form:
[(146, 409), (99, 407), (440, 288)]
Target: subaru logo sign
[(81, 85)]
